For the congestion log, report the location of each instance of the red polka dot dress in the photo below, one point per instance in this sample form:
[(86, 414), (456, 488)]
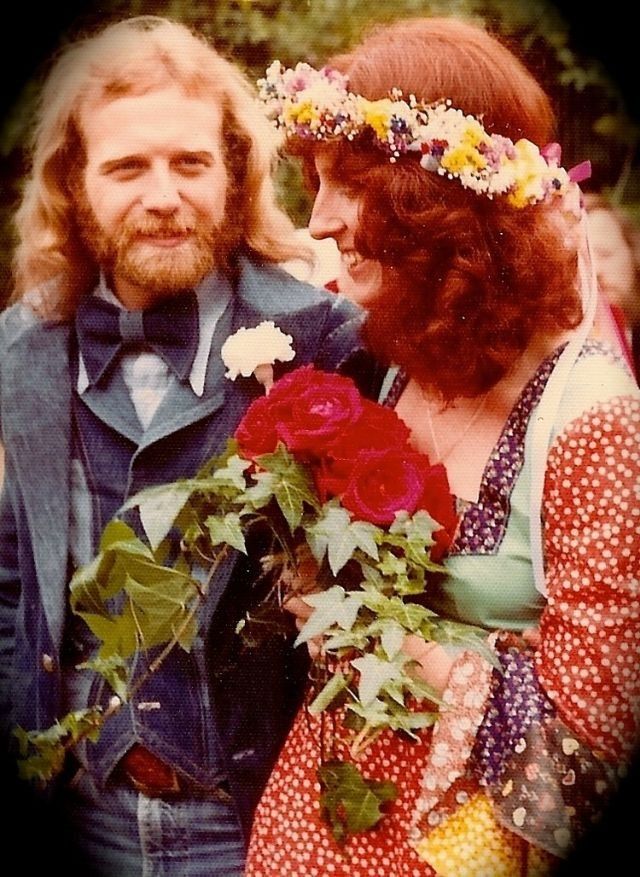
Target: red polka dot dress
[(522, 760)]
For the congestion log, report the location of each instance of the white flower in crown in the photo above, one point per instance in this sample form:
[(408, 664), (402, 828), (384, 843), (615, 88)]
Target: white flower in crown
[(254, 351)]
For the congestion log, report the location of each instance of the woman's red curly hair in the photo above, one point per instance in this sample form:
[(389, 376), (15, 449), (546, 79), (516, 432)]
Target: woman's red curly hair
[(468, 280)]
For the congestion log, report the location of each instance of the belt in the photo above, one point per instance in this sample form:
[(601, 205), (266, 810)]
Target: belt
[(146, 773)]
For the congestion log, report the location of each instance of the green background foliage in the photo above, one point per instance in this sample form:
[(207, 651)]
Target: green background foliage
[(593, 119)]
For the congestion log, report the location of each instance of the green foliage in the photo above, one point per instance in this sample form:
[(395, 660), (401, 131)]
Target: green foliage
[(129, 600), (42, 753), (336, 536), (350, 803), (290, 484)]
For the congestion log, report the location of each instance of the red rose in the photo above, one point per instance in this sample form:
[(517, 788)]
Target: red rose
[(256, 434), (385, 482), (439, 502), (306, 410), (377, 429)]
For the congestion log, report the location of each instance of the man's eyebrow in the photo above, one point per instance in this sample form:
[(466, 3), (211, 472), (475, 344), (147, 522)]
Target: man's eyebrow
[(202, 154), (114, 163)]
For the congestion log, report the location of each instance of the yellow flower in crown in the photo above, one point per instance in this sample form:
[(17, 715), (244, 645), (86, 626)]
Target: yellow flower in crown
[(465, 158), (533, 177), (377, 115), (300, 114)]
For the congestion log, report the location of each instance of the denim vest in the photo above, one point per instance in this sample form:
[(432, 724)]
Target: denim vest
[(172, 713)]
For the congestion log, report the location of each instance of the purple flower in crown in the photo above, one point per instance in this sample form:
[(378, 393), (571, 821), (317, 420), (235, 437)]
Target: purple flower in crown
[(496, 150), (436, 148), (304, 132), (398, 125)]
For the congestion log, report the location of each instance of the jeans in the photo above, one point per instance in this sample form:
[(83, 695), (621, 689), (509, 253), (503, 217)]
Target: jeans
[(118, 832)]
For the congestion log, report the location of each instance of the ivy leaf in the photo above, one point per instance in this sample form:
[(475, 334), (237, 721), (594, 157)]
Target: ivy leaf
[(114, 533), (392, 637), (161, 608), (262, 491), (114, 670), (465, 635), (333, 520), (232, 473), (414, 536), (392, 566), (349, 802), (214, 464), (375, 714), (337, 536), (375, 673), (42, 753), (118, 634), (331, 607), (366, 536), (411, 616), (292, 485), (159, 507), (346, 639), (95, 584), (226, 530), (335, 687), (410, 722)]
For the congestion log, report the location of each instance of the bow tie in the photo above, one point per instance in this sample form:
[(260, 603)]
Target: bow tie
[(169, 328)]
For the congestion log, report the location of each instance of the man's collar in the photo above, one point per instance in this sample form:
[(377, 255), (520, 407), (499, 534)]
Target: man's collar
[(213, 293)]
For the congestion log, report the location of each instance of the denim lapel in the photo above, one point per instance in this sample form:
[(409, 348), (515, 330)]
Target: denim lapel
[(37, 425), (112, 404)]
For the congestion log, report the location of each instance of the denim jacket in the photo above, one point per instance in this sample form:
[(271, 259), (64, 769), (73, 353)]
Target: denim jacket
[(254, 693)]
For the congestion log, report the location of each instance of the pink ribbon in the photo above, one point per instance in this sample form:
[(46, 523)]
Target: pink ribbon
[(552, 153)]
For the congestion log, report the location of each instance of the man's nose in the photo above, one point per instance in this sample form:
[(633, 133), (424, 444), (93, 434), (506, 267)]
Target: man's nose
[(162, 194)]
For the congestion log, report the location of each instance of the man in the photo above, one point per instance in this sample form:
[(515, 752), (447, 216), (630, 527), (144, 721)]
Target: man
[(148, 233)]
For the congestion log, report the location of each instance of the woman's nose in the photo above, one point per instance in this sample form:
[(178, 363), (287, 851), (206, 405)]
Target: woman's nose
[(326, 217)]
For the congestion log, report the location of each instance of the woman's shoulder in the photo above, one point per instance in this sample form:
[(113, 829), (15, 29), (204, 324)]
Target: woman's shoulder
[(598, 376)]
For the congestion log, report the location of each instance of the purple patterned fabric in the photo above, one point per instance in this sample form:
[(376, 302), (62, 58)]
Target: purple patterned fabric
[(516, 702), (484, 523)]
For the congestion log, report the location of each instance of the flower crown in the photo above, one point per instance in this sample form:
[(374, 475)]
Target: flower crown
[(316, 104)]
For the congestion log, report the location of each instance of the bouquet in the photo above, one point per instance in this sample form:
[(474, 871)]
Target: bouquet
[(332, 478)]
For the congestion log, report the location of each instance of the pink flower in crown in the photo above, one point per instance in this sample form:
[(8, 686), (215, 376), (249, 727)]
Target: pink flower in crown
[(299, 82), (335, 77)]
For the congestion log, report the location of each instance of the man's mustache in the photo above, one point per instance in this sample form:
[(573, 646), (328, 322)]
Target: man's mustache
[(159, 229)]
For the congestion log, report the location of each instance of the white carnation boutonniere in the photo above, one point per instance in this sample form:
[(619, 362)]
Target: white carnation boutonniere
[(253, 352)]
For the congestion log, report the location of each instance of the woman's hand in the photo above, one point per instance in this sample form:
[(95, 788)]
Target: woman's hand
[(302, 579), (433, 664), (302, 612)]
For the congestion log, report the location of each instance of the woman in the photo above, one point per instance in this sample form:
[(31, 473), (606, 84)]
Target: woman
[(478, 299)]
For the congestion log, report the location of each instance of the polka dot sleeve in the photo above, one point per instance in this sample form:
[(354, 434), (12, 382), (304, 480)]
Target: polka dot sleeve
[(590, 630)]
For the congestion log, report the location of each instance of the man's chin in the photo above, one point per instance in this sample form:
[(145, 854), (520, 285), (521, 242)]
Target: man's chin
[(163, 272)]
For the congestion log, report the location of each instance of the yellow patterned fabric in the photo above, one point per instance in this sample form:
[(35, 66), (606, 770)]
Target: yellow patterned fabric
[(471, 843)]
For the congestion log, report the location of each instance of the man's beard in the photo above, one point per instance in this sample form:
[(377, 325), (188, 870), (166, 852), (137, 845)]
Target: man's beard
[(130, 257)]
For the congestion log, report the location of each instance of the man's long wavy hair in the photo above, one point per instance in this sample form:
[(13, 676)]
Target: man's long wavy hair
[(134, 57), (468, 281)]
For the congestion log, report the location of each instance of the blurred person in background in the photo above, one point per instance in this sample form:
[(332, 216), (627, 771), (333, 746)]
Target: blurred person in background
[(615, 245)]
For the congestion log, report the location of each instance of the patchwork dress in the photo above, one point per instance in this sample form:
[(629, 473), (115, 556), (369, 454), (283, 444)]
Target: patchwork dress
[(521, 761)]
